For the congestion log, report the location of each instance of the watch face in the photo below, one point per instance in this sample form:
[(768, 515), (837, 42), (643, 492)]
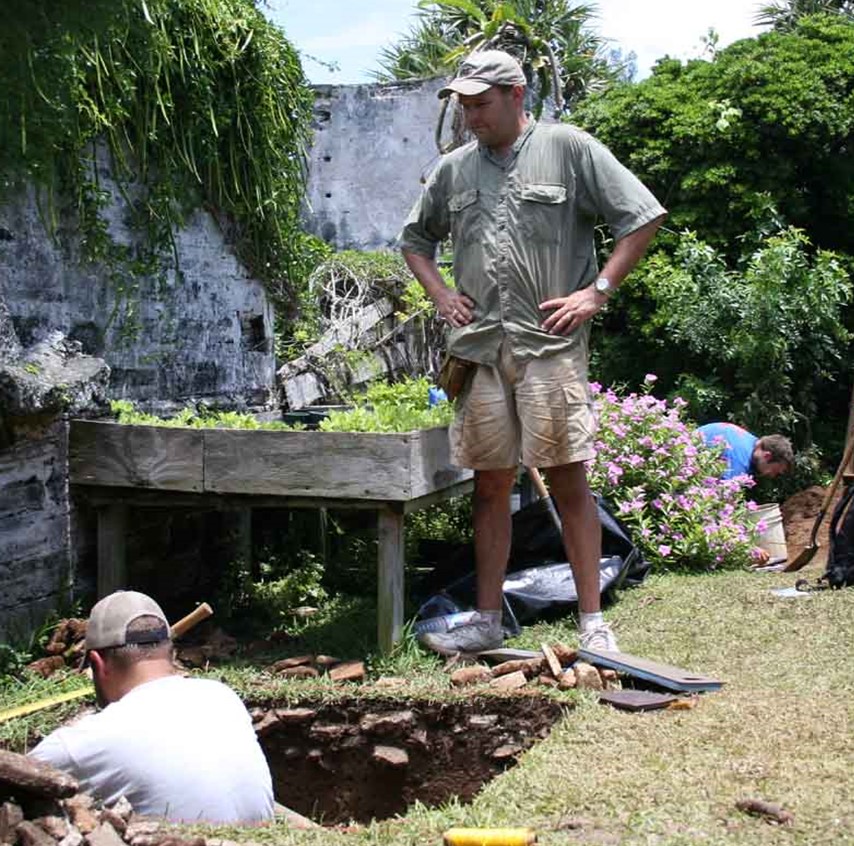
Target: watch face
[(602, 285)]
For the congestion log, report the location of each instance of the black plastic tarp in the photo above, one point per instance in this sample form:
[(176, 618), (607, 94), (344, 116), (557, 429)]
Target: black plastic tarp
[(539, 580)]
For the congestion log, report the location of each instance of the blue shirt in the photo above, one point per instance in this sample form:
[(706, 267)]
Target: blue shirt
[(738, 447)]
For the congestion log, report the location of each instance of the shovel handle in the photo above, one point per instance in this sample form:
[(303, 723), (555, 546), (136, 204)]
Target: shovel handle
[(539, 484), (192, 619), (849, 451)]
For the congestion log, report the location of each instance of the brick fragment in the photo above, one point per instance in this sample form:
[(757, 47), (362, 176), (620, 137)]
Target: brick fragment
[(104, 835), (470, 675), (348, 671), (30, 834), (530, 667), (512, 681), (391, 756), (568, 680), (587, 676)]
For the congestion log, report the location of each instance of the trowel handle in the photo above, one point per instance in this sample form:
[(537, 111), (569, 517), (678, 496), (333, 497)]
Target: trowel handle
[(192, 619)]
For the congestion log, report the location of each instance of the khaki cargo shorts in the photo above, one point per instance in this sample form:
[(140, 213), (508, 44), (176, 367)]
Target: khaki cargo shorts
[(539, 411)]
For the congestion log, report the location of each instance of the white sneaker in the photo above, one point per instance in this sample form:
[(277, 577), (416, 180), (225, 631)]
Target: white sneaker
[(475, 636), (601, 638)]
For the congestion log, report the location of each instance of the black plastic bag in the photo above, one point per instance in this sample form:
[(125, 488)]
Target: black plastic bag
[(840, 557), (539, 580)]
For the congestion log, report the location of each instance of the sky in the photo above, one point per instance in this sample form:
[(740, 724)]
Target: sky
[(352, 33)]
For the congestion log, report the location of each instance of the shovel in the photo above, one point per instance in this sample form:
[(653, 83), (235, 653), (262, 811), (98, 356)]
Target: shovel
[(543, 493), (805, 556)]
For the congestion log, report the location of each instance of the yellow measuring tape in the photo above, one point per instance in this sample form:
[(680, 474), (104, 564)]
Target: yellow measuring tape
[(23, 710)]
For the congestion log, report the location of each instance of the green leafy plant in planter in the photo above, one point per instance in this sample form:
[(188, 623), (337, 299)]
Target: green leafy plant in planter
[(402, 407)]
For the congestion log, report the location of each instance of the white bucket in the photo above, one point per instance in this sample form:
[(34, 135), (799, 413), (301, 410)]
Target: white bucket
[(773, 539)]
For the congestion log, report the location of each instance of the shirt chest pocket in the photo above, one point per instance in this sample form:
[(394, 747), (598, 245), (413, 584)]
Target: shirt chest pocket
[(466, 217), (542, 212)]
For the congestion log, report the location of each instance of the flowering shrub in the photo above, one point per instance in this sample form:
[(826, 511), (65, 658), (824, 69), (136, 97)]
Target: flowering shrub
[(665, 484)]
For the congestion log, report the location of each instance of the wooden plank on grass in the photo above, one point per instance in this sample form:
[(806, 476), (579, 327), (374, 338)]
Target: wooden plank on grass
[(113, 454), (665, 675), (336, 465)]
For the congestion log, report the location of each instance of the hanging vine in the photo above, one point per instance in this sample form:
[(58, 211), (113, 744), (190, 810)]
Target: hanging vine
[(188, 103)]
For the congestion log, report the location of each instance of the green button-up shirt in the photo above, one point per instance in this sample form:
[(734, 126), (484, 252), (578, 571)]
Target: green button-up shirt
[(522, 231)]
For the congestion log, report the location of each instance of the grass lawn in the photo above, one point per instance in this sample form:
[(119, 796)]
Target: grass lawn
[(780, 730)]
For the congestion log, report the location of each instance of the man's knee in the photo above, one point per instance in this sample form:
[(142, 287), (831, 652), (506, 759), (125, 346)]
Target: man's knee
[(568, 484), (494, 485)]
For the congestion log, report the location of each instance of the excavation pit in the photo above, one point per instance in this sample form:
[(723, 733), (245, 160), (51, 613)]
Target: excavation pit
[(368, 760)]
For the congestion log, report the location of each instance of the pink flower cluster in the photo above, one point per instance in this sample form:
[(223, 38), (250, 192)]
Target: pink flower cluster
[(666, 484)]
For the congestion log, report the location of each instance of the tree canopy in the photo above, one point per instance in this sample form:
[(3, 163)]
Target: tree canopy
[(766, 125)]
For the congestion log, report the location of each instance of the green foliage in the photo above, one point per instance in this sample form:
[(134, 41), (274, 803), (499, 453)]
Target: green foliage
[(784, 14), (654, 467), (195, 418), (402, 407), (761, 340), (268, 597), (766, 123), (198, 102), (343, 281), (552, 39)]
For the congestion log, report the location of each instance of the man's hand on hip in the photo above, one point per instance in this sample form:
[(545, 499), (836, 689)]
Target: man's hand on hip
[(453, 307), (568, 313)]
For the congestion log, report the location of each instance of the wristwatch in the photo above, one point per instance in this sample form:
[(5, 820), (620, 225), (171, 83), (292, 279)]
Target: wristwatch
[(603, 286)]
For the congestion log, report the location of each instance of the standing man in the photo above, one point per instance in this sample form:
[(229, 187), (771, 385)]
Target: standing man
[(520, 204), (175, 747)]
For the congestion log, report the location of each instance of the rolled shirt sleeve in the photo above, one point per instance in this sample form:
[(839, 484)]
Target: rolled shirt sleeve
[(428, 223), (609, 190)]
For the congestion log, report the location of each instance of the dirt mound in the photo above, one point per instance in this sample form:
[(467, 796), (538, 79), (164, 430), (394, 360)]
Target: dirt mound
[(800, 512)]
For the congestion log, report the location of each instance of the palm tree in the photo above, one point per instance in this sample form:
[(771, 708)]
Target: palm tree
[(784, 14), (561, 56)]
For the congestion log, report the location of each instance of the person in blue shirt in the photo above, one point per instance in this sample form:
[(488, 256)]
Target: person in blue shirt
[(746, 454)]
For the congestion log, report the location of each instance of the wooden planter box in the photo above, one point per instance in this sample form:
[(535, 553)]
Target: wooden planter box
[(121, 466), (327, 465)]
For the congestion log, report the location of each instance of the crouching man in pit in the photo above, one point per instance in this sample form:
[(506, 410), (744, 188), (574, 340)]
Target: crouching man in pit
[(179, 748)]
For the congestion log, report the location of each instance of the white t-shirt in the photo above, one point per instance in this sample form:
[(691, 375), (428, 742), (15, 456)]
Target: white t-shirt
[(176, 747)]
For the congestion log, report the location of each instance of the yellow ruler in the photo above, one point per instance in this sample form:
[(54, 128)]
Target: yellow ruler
[(23, 710)]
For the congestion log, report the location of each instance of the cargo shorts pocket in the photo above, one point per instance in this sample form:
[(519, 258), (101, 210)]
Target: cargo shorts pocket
[(543, 212), (466, 220)]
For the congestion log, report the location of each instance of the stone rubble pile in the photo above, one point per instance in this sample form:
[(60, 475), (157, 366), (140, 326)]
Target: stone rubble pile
[(41, 806), (558, 667)]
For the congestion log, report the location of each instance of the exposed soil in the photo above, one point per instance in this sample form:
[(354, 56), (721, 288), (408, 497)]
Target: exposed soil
[(371, 759), (800, 512)]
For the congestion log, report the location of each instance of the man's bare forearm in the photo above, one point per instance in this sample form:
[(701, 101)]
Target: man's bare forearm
[(628, 251)]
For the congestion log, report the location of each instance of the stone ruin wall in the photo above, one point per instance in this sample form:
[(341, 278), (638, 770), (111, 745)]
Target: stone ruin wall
[(204, 335), (372, 145)]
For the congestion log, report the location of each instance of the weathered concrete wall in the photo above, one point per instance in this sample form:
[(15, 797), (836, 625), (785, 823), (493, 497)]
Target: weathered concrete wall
[(203, 331), (372, 145), (36, 570)]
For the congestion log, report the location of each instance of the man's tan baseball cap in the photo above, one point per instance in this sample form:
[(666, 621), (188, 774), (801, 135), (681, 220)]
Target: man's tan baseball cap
[(483, 69), (111, 616)]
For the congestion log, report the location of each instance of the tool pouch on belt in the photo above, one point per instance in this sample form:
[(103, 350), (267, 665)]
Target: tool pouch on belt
[(454, 375)]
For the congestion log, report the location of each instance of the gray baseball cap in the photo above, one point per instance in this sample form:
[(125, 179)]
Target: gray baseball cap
[(111, 616), (483, 69)]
